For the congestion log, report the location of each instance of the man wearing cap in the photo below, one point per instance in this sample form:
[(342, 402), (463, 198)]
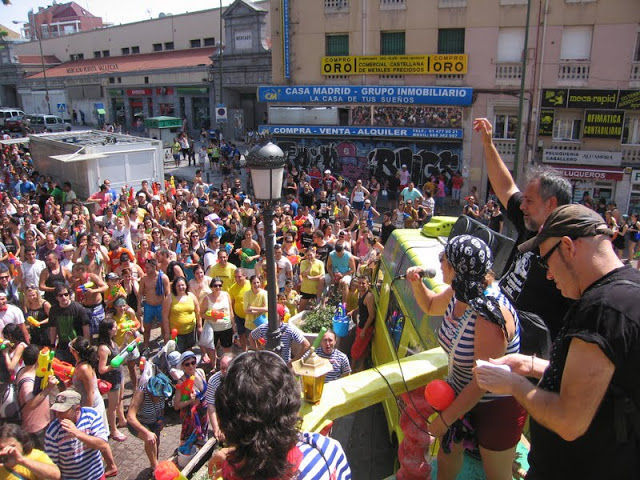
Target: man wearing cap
[(75, 438), (290, 335), (524, 283), (585, 405)]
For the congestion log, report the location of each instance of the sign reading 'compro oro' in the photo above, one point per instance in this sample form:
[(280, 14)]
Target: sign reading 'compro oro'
[(395, 64), (382, 94)]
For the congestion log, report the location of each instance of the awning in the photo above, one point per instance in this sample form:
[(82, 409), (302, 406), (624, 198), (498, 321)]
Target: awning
[(101, 111), (13, 141), (77, 157), (578, 172)]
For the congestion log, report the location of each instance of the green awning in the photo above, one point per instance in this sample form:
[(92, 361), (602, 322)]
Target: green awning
[(101, 111)]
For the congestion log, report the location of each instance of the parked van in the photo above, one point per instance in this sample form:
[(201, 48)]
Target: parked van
[(6, 113), (47, 123)]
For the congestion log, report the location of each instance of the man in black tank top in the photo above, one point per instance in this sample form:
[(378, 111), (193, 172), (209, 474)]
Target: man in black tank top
[(53, 276)]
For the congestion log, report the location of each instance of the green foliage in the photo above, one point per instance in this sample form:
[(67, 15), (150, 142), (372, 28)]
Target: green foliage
[(317, 318)]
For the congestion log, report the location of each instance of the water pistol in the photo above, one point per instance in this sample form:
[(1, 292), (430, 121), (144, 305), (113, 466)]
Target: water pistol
[(117, 361), (294, 259), (172, 183), (130, 193), (174, 333), (167, 470), (214, 314), (127, 326), (155, 188), (62, 370), (14, 264), (85, 286), (36, 323), (44, 369), (186, 388), (228, 248), (4, 344)]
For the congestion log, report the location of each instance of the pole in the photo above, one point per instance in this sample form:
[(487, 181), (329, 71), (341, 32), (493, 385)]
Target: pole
[(44, 70), (274, 335), (220, 54), (516, 156)]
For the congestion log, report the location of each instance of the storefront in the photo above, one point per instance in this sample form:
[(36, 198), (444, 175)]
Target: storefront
[(634, 196)]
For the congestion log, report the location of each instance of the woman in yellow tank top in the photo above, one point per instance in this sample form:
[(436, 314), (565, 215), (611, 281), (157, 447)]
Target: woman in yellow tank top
[(181, 311)]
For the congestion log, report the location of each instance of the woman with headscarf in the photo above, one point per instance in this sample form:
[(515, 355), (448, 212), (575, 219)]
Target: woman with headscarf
[(476, 326)]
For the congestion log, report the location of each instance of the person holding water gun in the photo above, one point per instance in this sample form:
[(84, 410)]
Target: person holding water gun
[(190, 399), (89, 289), (218, 325), (127, 328), (113, 292)]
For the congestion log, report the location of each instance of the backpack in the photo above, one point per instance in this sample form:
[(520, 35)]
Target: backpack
[(10, 408)]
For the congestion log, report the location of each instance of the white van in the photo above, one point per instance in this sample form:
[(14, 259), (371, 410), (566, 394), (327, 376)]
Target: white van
[(9, 113), (40, 122)]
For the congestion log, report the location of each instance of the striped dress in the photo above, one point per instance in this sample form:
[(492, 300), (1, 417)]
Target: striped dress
[(75, 460), (323, 459), (463, 360)]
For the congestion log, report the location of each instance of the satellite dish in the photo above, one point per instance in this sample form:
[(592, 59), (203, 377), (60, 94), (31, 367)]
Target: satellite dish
[(162, 15)]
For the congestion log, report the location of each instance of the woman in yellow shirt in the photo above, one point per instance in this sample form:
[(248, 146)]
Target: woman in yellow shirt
[(255, 302), (181, 311), (311, 273), (19, 460)]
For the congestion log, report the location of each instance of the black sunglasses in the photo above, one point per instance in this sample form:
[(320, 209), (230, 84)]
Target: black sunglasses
[(543, 261), (217, 285), (189, 364)]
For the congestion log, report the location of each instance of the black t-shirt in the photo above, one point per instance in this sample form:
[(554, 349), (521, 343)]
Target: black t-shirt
[(68, 322), (385, 232), (323, 252), (306, 199), (323, 208), (494, 222), (525, 282), (608, 316), (306, 240)]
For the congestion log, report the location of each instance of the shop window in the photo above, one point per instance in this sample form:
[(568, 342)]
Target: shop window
[(146, 80), (125, 51), (631, 130), (76, 56), (195, 43), (157, 47), (392, 43), (567, 127), (106, 53), (166, 109), (97, 54), (510, 45), (336, 45), (505, 126), (168, 45), (576, 43), (451, 40), (210, 42), (135, 49), (119, 79)]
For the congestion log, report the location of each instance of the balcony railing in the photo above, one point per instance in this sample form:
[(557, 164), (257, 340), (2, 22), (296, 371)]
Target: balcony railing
[(336, 5), (630, 154), (393, 4), (452, 3), (574, 72), (634, 76), (508, 72)]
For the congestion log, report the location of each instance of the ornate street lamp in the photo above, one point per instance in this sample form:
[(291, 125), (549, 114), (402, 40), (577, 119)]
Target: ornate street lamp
[(266, 162)]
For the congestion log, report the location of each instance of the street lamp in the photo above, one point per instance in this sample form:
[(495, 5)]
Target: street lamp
[(32, 28), (266, 162)]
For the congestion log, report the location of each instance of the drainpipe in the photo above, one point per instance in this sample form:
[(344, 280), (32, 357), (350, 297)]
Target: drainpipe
[(516, 156)]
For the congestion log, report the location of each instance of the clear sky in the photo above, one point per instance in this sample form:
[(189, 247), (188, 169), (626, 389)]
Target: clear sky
[(111, 11)]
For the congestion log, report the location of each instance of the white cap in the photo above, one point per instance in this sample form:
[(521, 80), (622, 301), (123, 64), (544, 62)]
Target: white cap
[(327, 172)]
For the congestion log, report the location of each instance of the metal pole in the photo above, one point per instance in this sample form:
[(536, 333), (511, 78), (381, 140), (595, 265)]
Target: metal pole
[(44, 71), (273, 336), (220, 54), (516, 155)]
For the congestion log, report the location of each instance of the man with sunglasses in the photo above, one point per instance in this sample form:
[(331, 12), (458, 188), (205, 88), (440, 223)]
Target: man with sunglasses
[(524, 282), (67, 320), (585, 403)]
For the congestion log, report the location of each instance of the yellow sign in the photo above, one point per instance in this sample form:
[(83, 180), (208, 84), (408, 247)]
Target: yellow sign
[(395, 65)]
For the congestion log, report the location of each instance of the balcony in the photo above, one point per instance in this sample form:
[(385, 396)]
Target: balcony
[(634, 75), (508, 73), (631, 155), (336, 6), (393, 5), (452, 3), (574, 74)]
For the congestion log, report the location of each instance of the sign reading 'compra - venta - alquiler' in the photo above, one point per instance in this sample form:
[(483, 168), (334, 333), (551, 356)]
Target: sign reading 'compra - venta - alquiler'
[(383, 94), (338, 131)]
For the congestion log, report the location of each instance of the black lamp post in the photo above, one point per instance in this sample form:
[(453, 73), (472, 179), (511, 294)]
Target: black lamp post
[(266, 162)]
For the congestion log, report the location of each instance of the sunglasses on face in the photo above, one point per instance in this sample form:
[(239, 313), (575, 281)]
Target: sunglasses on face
[(62, 295), (189, 364), (543, 260), (217, 285)]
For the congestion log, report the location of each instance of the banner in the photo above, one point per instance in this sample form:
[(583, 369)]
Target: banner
[(441, 64), (285, 39), (603, 123), (545, 125), (385, 94), (592, 98), (629, 99), (447, 133)]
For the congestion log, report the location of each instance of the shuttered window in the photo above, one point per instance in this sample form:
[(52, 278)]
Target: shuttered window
[(336, 45), (451, 40), (392, 43)]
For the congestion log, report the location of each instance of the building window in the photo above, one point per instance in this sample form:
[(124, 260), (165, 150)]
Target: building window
[(336, 45), (146, 79), (119, 79), (392, 43), (125, 51), (195, 43), (451, 40), (576, 43), (210, 42), (510, 45), (157, 47), (135, 49), (566, 127), (76, 56), (336, 4), (112, 80), (631, 130), (505, 126), (106, 53), (97, 54), (168, 45), (636, 52)]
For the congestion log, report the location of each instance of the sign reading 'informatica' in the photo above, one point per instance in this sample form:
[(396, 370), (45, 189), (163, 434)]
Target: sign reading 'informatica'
[(383, 94), (445, 133)]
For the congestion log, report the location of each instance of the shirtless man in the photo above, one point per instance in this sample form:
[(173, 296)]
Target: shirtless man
[(126, 262), (89, 297), (154, 288)]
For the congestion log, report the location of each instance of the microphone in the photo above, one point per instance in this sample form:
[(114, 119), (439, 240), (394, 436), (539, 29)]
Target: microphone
[(428, 272)]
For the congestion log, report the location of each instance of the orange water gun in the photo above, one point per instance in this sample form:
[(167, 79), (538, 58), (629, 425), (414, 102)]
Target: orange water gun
[(14, 264), (186, 388), (214, 314), (63, 370)]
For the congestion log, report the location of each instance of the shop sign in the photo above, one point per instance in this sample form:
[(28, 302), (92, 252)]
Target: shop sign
[(545, 125), (635, 176), (448, 133), (375, 94), (592, 98), (138, 91), (603, 123), (574, 173), (164, 91), (115, 92), (582, 157), (554, 97), (99, 68), (193, 91), (441, 64), (629, 99)]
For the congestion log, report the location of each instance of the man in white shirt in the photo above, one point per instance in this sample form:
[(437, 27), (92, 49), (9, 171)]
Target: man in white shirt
[(31, 269), (12, 314), (283, 267)]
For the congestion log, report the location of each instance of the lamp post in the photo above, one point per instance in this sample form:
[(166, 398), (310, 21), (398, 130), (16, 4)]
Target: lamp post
[(266, 162), (32, 27)]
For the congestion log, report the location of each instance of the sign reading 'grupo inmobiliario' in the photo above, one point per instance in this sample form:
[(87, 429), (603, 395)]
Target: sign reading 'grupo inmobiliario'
[(582, 157), (395, 65)]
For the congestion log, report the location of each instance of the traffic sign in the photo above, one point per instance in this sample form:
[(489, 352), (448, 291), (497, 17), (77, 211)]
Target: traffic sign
[(62, 107), (221, 113)]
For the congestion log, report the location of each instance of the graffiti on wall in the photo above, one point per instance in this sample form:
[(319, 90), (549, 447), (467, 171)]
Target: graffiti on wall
[(356, 159)]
